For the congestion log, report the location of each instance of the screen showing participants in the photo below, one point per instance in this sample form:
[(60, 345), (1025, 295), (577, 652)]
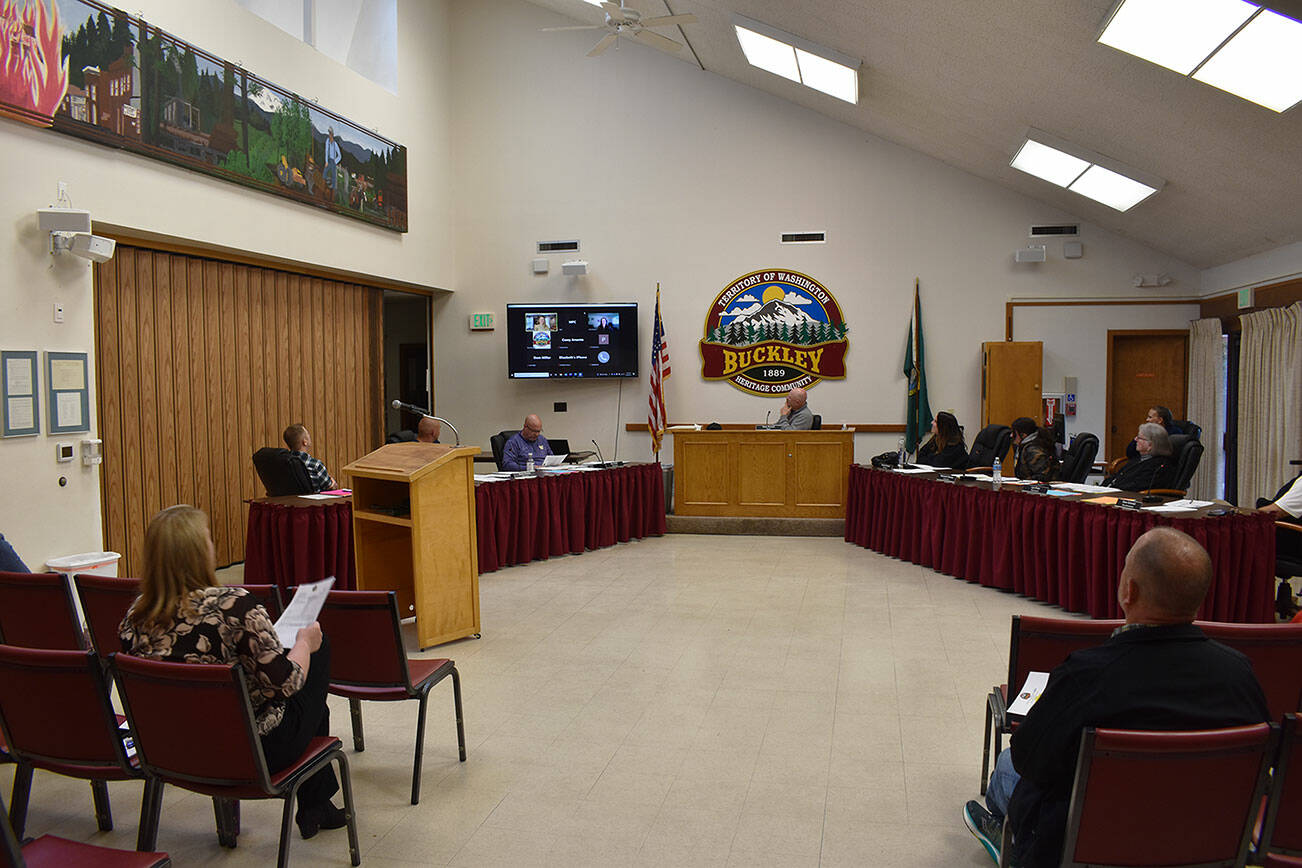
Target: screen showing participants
[(572, 340)]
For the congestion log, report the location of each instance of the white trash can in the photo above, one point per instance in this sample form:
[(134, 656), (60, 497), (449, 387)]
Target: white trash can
[(95, 563)]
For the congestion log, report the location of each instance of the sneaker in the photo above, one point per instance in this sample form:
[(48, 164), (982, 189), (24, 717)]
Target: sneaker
[(984, 827)]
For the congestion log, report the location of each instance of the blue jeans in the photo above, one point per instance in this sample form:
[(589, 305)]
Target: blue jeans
[(9, 560), (1002, 782)]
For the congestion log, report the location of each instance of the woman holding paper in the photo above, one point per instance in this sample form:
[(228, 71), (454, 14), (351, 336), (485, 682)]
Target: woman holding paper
[(183, 615)]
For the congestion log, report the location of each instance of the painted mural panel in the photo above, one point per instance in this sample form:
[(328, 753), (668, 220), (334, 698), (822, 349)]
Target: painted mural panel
[(95, 72)]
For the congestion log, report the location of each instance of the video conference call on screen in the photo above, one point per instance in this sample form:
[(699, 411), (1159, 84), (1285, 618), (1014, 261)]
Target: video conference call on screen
[(572, 340)]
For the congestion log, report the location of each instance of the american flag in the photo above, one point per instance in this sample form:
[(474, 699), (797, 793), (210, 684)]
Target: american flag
[(657, 418)]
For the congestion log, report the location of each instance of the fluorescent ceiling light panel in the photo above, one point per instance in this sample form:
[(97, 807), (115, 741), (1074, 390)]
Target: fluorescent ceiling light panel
[(1262, 63), (830, 77), (1050, 164), (799, 60), (768, 54), (1114, 190), (1176, 34)]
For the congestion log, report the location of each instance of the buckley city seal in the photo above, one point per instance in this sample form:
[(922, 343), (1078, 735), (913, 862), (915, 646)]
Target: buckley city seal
[(772, 330)]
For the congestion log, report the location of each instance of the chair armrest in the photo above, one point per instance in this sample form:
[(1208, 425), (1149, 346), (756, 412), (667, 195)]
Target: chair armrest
[(1114, 465), (979, 470), (998, 704)]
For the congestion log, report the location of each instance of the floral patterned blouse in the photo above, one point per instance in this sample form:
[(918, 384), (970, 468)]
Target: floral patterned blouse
[(224, 625)]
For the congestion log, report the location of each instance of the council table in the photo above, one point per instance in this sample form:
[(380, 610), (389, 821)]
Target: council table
[(533, 518), (1060, 550)]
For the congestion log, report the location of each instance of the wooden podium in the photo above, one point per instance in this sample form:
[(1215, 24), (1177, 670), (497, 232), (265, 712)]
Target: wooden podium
[(770, 474), (414, 533)]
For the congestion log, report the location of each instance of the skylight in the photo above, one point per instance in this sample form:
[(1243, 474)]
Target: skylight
[(1084, 172), (1237, 46), (797, 59)]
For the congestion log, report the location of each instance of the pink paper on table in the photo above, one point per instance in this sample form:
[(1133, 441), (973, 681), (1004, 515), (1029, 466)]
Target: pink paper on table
[(339, 492)]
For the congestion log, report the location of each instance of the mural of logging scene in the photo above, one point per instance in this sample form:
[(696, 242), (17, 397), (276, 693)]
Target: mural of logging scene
[(95, 72)]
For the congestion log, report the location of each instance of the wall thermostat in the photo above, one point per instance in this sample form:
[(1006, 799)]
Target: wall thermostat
[(63, 451)]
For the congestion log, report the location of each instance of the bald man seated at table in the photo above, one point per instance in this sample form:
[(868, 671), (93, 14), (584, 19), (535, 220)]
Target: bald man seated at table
[(527, 442), (795, 414), (428, 429)]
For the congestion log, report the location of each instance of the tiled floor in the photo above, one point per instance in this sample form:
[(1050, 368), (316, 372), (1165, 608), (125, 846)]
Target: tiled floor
[(687, 700)]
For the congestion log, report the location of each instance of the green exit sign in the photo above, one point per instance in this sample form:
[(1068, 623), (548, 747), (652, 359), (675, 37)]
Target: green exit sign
[(481, 322)]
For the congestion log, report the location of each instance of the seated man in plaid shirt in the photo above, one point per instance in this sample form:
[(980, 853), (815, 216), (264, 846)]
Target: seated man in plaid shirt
[(299, 442)]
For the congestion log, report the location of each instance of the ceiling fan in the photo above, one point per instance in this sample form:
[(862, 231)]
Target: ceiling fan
[(627, 22)]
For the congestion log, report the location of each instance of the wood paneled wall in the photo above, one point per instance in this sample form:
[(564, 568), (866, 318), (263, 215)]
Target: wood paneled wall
[(199, 363)]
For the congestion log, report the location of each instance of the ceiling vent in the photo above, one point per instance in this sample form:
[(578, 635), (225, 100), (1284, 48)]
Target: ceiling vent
[(804, 237), (558, 246), (1055, 230)]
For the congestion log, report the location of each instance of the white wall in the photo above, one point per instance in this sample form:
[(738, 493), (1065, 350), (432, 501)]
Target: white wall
[(1271, 266), (39, 517), (666, 173), (1076, 345)]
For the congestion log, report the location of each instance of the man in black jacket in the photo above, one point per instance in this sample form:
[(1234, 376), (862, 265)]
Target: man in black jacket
[(1156, 672)]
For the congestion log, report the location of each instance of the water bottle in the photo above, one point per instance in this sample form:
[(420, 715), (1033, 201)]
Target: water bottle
[(996, 473), (899, 462), (528, 465)]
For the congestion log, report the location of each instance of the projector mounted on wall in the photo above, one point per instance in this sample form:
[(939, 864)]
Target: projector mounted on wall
[(1034, 253)]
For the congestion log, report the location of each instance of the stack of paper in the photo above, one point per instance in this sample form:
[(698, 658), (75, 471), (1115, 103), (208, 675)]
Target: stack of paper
[(1082, 488)]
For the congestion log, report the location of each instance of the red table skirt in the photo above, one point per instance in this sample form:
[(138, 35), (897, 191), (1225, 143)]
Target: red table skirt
[(524, 520), (290, 545), (1063, 552)]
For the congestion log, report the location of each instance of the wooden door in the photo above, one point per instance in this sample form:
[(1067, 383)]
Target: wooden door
[(1011, 373), (200, 362), (1145, 368)]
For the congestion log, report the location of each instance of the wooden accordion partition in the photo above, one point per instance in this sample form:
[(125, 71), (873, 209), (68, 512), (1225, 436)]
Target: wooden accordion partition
[(200, 363)]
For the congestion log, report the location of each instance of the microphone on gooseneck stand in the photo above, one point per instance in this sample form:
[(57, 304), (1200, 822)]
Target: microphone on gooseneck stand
[(767, 414), (601, 462), (1152, 477)]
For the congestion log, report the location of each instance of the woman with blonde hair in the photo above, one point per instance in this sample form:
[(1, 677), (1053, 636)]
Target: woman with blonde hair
[(182, 615)]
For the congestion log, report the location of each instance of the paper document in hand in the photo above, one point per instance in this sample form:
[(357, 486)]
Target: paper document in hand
[(554, 460), (1029, 693), (302, 610)]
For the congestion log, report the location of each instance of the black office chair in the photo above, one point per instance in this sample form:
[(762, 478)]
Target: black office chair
[(403, 436), (1188, 428), (281, 471), (1079, 458), (498, 443), (818, 423), (992, 441), (1188, 452)]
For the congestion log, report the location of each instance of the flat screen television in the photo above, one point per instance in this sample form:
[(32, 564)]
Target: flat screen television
[(567, 339)]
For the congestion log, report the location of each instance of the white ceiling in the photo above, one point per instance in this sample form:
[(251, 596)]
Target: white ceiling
[(962, 80)]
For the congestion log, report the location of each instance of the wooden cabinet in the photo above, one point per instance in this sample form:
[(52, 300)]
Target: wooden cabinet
[(788, 474), (1011, 380), (414, 533)]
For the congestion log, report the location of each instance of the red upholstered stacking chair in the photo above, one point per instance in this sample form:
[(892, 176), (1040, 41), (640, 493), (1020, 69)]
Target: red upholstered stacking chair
[(1276, 654), (1036, 645), (36, 611), (104, 602), (1281, 831), (48, 851), (195, 729), (367, 661), (56, 716), (1274, 860), (1144, 799), (268, 596)]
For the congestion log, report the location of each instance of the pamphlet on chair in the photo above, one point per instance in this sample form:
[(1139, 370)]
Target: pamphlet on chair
[(302, 610), (1029, 693)]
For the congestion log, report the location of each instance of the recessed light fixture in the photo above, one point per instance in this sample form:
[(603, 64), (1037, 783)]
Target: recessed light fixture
[(1237, 46), (799, 60), (1082, 171)]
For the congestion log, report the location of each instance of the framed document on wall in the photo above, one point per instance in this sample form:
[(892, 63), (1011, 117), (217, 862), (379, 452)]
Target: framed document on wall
[(67, 392), (21, 399)]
